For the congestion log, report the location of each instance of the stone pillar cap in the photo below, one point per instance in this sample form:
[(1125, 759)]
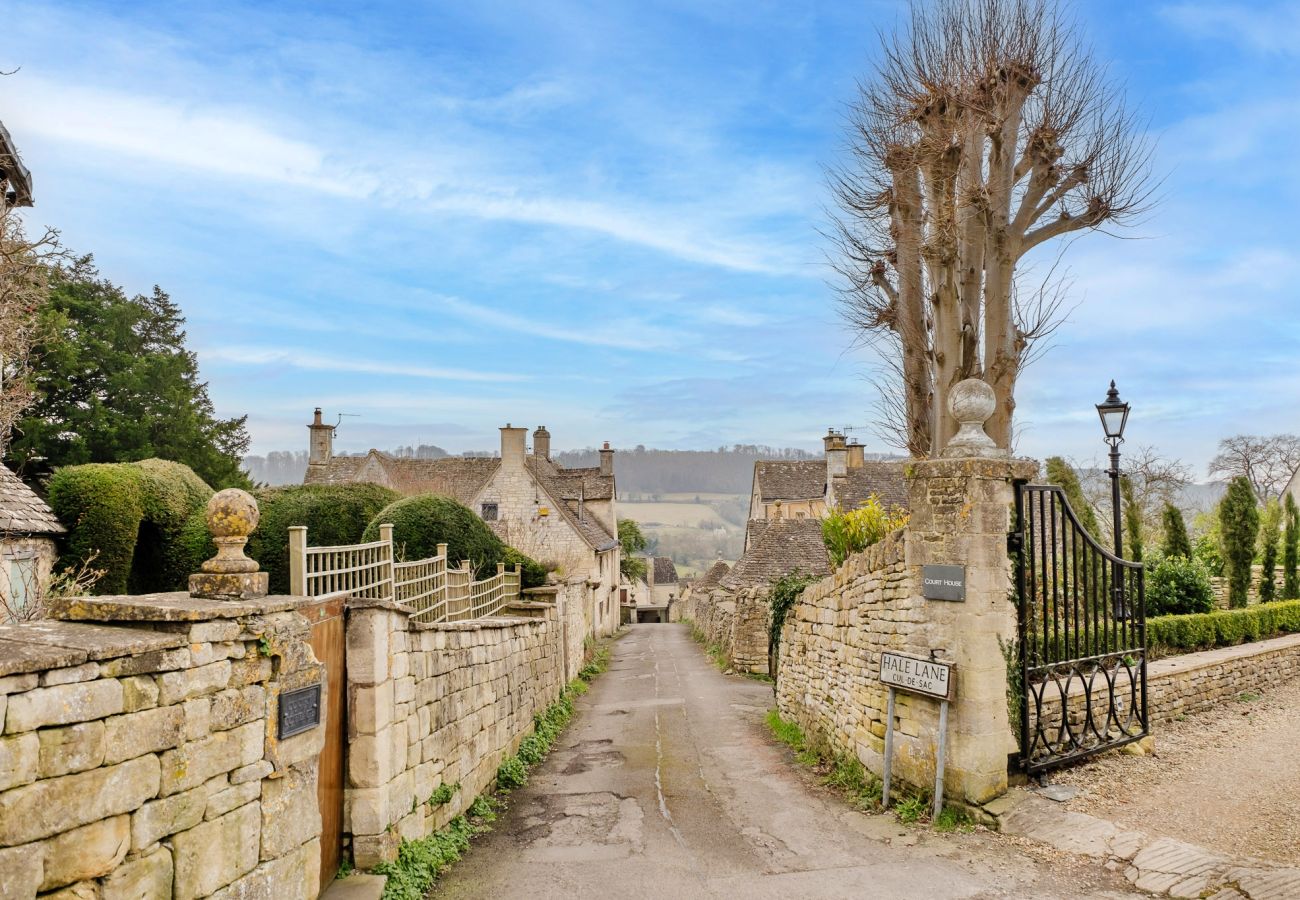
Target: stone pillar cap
[(971, 403)]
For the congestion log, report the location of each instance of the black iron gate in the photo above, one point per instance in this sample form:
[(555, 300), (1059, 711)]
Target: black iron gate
[(1082, 636)]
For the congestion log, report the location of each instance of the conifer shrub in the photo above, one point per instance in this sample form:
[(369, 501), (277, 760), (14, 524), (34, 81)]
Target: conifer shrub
[(1177, 542), (1239, 525), (423, 522), (1132, 521), (1291, 550), (1269, 536), (1061, 473)]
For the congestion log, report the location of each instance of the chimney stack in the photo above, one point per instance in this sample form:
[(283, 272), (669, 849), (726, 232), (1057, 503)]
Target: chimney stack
[(513, 442), (837, 455), (542, 442), (857, 455), (320, 446), (606, 460)]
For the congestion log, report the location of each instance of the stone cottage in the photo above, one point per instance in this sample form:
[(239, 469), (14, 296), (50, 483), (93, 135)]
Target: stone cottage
[(28, 529), (564, 518), (809, 488)]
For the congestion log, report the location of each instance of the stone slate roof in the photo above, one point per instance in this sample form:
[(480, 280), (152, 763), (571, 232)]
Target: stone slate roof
[(786, 545), (787, 479), (754, 531), (665, 571), (884, 479), (458, 477), (21, 511), (463, 477), (566, 489), (711, 578)]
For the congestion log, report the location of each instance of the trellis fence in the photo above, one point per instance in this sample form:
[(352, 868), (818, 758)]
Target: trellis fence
[(430, 587)]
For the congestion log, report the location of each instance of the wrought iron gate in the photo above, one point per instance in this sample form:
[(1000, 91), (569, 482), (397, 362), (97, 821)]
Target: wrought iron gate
[(1082, 636)]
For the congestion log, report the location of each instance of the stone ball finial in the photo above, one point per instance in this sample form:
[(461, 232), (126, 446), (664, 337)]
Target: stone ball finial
[(971, 403), (232, 515)]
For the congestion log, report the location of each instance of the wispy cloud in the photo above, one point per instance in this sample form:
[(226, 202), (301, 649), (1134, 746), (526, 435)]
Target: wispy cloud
[(1256, 26), (333, 361)]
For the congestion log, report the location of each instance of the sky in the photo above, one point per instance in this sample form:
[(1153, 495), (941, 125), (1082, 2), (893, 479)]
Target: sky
[(607, 217)]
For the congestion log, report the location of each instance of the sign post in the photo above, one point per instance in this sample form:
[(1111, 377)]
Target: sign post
[(928, 678)]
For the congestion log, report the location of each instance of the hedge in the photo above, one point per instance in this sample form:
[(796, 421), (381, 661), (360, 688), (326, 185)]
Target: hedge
[(333, 514), (422, 522), (1167, 635), (131, 517)]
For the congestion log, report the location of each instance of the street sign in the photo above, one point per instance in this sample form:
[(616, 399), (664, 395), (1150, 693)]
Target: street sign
[(918, 676)]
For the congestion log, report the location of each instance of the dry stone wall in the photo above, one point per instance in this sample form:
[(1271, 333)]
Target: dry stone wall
[(1195, 682), (140, 760), (433, 705)]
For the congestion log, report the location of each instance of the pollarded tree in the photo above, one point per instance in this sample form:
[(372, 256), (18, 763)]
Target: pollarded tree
[(1239, 525), (987, 131), (1291, 550), (1177, 542)]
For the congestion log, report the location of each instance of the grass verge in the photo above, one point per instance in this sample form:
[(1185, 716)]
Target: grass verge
[(420, 862), (847, 776), (713, 651)]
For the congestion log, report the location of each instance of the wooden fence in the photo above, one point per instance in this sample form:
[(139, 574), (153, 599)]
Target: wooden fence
[(433, 590)]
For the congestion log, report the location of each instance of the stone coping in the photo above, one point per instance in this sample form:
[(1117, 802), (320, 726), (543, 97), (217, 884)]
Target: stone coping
[(37, 646), (548, 589), (1186, 662), (1173, 666), (492, 622), (177, 606)]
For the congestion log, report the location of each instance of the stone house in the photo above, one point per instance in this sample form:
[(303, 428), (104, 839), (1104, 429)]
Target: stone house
[(28, 529), (809, 488), (1293, 487), (564, 518)]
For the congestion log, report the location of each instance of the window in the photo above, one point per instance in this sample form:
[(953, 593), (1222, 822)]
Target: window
[(489, 512), (22, 581)]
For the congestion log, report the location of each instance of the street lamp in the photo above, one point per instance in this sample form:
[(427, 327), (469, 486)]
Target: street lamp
[(1114, 416)]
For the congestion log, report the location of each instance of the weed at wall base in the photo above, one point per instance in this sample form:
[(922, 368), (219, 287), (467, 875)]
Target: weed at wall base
[(420, 862)]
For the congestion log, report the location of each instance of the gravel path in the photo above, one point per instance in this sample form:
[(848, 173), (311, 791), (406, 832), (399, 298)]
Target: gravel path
[(1227, 779)]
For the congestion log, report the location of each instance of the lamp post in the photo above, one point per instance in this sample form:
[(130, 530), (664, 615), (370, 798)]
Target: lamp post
[(1114, 416)]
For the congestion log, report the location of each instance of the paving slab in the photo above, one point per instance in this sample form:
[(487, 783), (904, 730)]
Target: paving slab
[(357, 886)]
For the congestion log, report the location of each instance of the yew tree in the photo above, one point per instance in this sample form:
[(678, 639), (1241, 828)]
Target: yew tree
[(987, 130)]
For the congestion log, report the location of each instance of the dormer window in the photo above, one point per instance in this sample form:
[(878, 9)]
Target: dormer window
[(489, 512)]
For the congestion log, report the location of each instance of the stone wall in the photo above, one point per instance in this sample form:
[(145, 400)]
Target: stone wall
[(1195, 682), (140, 759), (831, 642), (430, 705)]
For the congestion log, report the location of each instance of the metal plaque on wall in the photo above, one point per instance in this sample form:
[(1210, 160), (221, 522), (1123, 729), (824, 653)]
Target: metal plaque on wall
[(299, 710), (943, 582)]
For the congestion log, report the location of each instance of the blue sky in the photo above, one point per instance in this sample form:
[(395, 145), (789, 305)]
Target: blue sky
[(605, 217)]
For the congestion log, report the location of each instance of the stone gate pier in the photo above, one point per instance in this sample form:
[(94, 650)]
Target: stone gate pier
[(828, 680)]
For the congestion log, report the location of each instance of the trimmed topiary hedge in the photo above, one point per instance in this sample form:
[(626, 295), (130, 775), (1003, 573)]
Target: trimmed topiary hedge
[(333, 514), (1167, 635), (132, 517), (1176, 585), (421, 523)]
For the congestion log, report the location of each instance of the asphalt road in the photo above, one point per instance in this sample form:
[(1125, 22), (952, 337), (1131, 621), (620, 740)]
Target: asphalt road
[(668, 784)]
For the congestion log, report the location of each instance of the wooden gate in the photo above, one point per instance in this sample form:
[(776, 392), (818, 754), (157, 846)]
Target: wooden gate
[(327, 641)]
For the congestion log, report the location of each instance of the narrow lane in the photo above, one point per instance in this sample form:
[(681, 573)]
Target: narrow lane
[(667, 784)]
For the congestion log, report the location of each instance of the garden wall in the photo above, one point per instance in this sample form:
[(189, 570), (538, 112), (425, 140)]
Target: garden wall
[(827, 678), (440, 704), (1195, 682), (140, 759)]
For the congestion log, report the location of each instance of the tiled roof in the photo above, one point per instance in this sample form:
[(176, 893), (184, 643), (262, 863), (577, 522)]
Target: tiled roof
[(564, 490), (458, 477), (711, 578), (21, 511), (882, 478), (786, 545), (754, 531), (785, 479), (665, 571)]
